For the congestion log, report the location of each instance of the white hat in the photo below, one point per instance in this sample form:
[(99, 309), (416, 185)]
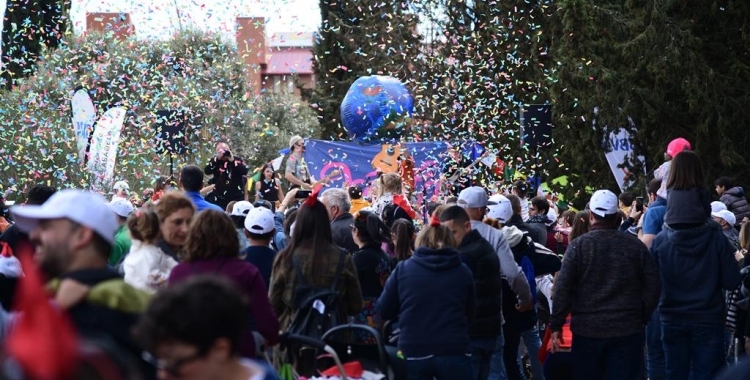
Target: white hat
[(603, 203), (259, 221), (717, 206), (501, 209), (294, 140), (122, 207), (121, 185), (241, 208), (473, 197), (551, 217), (83, 207), (727, 215)]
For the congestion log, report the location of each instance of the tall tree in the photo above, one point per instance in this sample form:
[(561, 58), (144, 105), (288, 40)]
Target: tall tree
[(673, 68), (358, 38), (28, 26), (486, 59)]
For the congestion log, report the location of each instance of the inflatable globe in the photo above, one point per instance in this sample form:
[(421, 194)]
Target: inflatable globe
[(375, 109)]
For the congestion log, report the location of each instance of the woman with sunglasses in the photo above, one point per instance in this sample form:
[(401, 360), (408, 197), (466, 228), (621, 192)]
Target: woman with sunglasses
[(193, 330), (372, 264)]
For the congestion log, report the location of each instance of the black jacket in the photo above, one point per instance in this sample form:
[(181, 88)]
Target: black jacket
[(373, 268), (536, 232), (342, 233), (479, 255), (229, 178), (736, 202)]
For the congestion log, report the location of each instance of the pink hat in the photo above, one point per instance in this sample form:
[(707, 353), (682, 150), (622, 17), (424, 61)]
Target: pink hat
[(677, 145)]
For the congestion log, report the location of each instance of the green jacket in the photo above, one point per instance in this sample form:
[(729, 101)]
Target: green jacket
[(121, 246)]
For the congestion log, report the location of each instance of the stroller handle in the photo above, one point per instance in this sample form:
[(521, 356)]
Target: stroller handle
[(286, 339)]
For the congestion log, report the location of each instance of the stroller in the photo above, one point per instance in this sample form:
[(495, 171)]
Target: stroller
[(293, 342), (347, 340)]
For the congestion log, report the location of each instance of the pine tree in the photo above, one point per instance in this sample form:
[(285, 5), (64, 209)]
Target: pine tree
[(29, 26), (488, 59), (358, 38), (674, 68)]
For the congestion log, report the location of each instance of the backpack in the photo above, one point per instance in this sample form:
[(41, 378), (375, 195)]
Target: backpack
[(316, 306)]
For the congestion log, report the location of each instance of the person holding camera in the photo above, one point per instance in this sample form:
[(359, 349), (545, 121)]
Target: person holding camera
[(229, 174)]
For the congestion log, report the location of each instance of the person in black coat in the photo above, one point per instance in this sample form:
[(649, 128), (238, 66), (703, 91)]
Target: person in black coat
[(479, 255), (372, 264)]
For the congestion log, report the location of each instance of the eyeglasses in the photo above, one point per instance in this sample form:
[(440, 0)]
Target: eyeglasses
[(300, 144), (174, 368)]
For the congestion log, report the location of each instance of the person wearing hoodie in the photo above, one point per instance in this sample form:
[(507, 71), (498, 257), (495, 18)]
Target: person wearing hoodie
[(480, 257), (609, 285), (733, 197), (696, 263), (438, 349)]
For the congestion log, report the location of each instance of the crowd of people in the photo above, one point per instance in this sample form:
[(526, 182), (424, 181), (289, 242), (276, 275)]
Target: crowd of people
[(197, 282)]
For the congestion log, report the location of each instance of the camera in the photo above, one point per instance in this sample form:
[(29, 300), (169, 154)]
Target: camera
[(227, 153)]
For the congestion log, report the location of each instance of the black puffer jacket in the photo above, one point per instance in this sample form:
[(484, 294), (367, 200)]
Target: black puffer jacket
[(736, 202), (479, 255)]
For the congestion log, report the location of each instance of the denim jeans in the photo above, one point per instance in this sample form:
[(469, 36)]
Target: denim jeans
[(654, 349), (618, 358), (441, 367), (482, 350), (694, 351), (533, 344), (497, 365)]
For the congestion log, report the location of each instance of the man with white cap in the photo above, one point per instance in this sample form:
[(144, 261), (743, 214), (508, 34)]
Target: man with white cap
[(727, 220), (474, 199), (122, 208), (260, 229), (296, 171), (121, 189), (74, 232), (609, 284)]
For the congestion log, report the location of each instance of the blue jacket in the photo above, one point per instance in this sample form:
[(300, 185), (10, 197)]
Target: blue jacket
[(432, 284), (694, 266), (654, 217), (200, 203)]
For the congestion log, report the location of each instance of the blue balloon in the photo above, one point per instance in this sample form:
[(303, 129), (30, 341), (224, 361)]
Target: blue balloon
[(374, 109)]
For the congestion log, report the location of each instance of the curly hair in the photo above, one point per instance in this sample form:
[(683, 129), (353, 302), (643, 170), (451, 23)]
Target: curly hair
[(212, 235), (172, 202)]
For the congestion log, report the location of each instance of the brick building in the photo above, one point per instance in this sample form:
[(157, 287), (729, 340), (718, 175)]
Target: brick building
[(275, 63)]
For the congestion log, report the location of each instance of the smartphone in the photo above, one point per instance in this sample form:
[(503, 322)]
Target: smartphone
[(639, 204), (302, 194)]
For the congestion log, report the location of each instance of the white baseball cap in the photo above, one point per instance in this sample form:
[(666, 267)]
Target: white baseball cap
[(241, 208), (122, 207), (121, 185), (501, 210), (603, 203), (551, 216), (717, 206), (473, 197), (259, 221), (83, 207), (727, 215)]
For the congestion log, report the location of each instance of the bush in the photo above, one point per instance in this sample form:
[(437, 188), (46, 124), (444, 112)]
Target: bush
[(194, 71)]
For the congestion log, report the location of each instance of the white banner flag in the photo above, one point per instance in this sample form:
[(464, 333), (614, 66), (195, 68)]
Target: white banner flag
[(84, 116), (104, 145), (621, 146)]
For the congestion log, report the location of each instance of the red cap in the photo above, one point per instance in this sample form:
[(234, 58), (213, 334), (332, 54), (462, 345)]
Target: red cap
[(677, 145)]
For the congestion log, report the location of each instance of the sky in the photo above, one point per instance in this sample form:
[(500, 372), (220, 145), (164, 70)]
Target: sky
[(158, 18)]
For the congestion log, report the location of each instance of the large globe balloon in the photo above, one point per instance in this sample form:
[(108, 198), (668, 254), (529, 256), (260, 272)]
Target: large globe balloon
[(375, 109)]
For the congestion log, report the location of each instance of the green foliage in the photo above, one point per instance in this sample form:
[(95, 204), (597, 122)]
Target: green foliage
[(29, 26), (194, 71), (678, 69), (358, 38)]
